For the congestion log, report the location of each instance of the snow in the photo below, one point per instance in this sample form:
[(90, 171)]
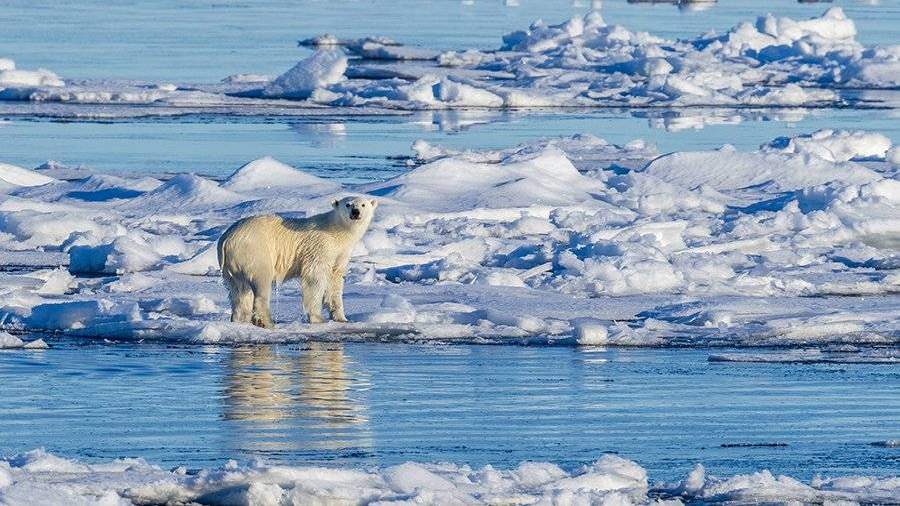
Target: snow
[(835, 146), (543, 178), (591, 333), (9, 341), (41, 477), (320, 70), (10, 176), (571, 240), (12, 77), (268, 175), (732, 171), (127, 253)]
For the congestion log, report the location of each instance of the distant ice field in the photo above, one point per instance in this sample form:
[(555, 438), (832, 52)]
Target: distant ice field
[(159, 40)]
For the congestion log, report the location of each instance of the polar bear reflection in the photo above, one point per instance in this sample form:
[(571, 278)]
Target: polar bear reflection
[(279, 389)]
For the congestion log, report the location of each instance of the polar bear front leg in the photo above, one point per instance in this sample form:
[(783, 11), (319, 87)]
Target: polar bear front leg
[(334, 295), (313, 284)]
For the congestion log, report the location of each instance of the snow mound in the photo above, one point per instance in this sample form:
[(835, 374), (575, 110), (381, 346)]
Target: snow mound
[(11, 77), (323, 68), (834, 146), (784, 36), (545, 178), (267, 173), (764, 487), (185, 192), (730, 170), (13, 177)]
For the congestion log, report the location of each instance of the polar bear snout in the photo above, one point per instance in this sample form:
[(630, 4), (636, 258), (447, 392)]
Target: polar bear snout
[(354, 213)]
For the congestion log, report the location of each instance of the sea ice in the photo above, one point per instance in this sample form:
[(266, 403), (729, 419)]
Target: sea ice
[(318, 71), (41, 477), (12, 78), (569, 240)]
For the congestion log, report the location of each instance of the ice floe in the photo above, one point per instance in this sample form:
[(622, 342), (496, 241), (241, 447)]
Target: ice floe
[(566, 240), (320, 70), (13, 79), (9, 341), (41, 477)]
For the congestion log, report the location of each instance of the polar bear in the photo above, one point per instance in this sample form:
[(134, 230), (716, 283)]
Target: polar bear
[(259, 250)]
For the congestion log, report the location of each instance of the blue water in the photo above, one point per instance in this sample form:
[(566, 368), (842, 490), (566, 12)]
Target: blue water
[(367, 404), (355, 149)]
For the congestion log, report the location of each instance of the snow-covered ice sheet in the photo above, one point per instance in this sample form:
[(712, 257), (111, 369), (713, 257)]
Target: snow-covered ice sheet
[(583, 62), (558, 241), (39, 477)]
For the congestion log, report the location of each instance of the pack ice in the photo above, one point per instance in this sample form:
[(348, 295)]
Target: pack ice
[(564, 240), (39, 477), (770, 62)]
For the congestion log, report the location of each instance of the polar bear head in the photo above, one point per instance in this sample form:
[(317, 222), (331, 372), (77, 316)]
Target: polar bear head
[(355, 211)]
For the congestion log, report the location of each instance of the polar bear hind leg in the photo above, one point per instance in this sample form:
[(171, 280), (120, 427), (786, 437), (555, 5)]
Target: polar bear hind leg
[(262, 293), (313, 285), (241, 296)]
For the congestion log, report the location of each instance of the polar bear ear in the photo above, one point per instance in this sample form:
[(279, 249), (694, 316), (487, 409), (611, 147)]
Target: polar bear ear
[(334, 203), (374, 203)]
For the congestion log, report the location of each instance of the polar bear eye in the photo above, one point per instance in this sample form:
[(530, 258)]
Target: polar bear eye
[(348, 204)]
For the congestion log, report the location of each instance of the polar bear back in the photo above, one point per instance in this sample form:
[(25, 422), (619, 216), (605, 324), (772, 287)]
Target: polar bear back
[(276, 248)]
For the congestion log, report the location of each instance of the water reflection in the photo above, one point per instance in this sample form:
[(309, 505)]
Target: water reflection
[(677, 120), (321, 135), (259, 385), (287, 399), (326, 387), (683, 5), (456, 120)]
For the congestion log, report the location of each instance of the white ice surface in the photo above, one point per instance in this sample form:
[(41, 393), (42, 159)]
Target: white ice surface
[(38, 477), (568, 240), (13, 78), (322, 69)]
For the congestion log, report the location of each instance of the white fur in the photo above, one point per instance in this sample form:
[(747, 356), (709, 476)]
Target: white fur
[(260, 250)]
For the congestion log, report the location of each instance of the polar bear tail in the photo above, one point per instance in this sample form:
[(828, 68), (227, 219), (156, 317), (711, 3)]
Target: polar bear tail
[(220, 252)]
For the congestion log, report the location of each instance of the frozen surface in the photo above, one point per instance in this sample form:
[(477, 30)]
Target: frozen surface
[(43, 477), (557, 241)]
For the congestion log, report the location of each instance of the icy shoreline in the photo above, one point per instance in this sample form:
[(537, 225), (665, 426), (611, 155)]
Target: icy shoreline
[(584, 62), (559, 241), (38, 476)]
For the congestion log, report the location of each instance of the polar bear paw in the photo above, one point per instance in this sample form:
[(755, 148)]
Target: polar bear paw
[(265, 323)]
